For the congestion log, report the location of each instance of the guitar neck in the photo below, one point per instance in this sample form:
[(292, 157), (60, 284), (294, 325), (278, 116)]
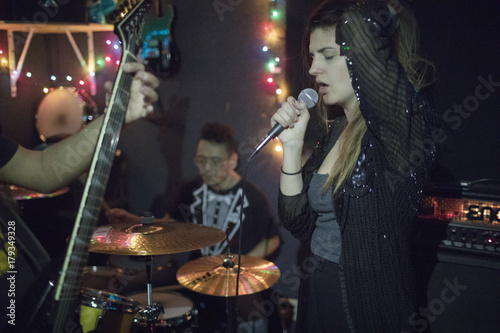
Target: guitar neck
[(90, 205), (68, 286), (67, 291)]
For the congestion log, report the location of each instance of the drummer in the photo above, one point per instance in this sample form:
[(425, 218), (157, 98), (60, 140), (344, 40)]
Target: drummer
[(48, 171), (213, 199)]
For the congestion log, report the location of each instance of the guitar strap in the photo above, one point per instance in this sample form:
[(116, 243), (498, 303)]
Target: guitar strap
[(25, 240)]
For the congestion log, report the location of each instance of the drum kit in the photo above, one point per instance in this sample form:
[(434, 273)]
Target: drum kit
[(163, 309), (63, 112)]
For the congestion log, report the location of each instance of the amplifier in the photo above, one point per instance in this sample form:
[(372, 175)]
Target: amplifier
[(457, 239), (464, 217)]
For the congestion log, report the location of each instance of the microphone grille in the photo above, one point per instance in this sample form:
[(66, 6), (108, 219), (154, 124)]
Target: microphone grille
[(309, 96)]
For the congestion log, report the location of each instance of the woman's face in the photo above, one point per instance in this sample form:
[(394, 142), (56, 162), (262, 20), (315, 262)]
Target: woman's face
[(330, 69)]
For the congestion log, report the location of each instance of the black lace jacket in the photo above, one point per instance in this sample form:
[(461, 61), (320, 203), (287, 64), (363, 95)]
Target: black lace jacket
[(378, 206)]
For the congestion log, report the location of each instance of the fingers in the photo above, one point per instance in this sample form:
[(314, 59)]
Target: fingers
[(147, 79), (133, 67), (289, 112), (108, 85), (149, 84), (150, 94)]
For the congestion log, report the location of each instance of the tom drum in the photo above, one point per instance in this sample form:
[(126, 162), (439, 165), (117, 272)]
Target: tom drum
[(102, 311)]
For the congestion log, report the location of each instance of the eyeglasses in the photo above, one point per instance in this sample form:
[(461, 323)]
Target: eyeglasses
[(213, 162)]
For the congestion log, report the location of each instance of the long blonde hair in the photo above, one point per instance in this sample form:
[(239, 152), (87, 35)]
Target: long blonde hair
[(405, 38)]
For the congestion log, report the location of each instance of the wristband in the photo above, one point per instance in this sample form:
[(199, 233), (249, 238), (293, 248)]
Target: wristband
[(290, 174)]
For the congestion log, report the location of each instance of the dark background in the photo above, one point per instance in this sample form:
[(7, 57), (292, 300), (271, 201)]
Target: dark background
[(220, 80)]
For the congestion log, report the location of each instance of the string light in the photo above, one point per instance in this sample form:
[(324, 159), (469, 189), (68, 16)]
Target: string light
[(273, 36), (271, 65), (100, 64)]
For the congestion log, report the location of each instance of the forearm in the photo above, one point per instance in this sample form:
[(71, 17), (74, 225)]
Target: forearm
[(265, 247), (291, 181), (61, 163), (70, 158)]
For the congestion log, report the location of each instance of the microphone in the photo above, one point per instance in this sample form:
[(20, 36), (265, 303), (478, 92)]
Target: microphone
[(308, 96)]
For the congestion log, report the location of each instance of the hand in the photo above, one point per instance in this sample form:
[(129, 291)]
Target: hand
[(142, 91), (118, 215), (294, 116)]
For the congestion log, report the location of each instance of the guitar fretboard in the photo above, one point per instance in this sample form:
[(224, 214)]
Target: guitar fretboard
[(90, 207), (67, 291)]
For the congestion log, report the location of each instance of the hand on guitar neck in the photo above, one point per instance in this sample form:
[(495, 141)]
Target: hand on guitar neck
[(142, 91)]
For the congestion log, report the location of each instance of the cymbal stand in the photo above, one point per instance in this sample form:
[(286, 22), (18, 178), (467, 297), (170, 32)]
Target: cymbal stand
[(151, 312), (229, 264)]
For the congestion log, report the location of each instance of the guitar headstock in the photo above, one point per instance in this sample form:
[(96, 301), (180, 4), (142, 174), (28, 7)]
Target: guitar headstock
[(129, 17)]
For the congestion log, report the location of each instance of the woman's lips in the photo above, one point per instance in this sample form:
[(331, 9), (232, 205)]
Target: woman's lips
[(322, 89)]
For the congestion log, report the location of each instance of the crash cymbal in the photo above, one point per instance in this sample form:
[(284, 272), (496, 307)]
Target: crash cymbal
[(20, 193), (216, 275), (153, 239)]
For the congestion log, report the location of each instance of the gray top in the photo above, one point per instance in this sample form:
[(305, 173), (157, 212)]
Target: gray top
[(325, 240)]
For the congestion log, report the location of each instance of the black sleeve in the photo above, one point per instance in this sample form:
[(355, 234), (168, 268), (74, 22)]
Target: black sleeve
[(388, 101), (7, 150)]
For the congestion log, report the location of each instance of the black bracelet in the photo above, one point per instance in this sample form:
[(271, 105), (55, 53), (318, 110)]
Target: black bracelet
[(290, 174)]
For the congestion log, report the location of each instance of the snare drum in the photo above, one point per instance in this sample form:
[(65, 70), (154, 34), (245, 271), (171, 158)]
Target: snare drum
[(180, 314), (106, 312)]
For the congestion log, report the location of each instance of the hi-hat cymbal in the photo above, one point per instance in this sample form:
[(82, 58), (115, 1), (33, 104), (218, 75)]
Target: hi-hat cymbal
[(216, 275), (153, 239), (21, 193)]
